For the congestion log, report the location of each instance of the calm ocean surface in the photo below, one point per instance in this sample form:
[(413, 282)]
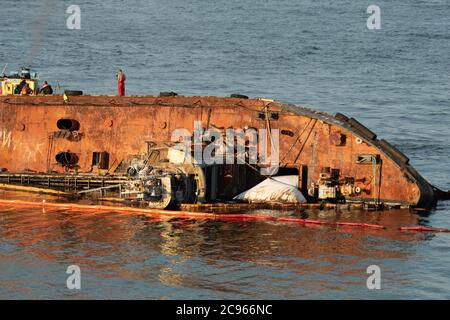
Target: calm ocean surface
[(317, 53)]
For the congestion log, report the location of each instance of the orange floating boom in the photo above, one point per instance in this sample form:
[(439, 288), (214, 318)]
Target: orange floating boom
[(221, 216), (183, 214), (423, 229)]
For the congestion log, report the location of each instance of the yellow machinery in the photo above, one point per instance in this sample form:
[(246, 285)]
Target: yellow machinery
[(8, 84)]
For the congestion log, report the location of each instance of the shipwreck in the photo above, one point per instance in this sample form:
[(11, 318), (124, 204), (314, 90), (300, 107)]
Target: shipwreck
[(123, 148)]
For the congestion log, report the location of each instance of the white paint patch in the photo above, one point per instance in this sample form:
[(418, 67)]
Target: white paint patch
[(5, 138)]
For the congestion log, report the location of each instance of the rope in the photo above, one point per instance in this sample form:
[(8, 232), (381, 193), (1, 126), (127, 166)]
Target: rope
[(296, 140)]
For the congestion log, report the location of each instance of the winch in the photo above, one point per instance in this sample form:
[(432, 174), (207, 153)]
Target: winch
[(330, 188)]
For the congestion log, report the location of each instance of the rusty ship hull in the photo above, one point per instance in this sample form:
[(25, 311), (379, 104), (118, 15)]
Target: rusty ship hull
[(109, 130)]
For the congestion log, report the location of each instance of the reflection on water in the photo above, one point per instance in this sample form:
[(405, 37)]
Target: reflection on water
[(134, 256)]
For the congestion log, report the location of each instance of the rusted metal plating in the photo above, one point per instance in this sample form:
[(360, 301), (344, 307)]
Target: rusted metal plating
[(96, 134)]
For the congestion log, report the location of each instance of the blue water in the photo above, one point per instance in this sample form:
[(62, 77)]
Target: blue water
[(316, 53)]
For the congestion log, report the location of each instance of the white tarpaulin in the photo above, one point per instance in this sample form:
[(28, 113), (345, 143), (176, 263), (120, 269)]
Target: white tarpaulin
[(274, 189)]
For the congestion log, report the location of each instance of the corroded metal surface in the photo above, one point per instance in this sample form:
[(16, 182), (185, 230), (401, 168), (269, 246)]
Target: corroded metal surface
[(121, 126)]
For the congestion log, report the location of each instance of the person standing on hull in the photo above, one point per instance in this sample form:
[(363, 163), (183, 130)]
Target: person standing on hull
[(18, 89), (121, 82), (46, 89), (26, 90)]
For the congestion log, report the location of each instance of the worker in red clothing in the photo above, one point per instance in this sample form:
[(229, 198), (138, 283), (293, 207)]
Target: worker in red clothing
[(121, 82)]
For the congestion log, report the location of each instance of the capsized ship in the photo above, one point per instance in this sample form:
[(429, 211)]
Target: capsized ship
[(122, 148)]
